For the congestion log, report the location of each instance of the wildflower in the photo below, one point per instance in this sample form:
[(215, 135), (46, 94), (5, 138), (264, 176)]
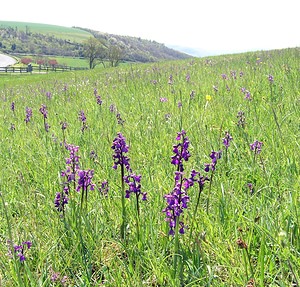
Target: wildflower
[(198, 178), (163, 100), (12, 127), (180, 150), (119, 119), (93, 155), (248, 96), (215, 155), (84, 184), (98, 100), (168, 117), (241, 119), (95, 92), (250, 187), (170, 81), (73, 160), (112, 108), (27, 243), (104, 188), (20, 249), (55, 276), (256, 146), (120, 149), (55, 139), (177, 200), (17, 248), (208, 98), (233, 74), (72, 163), (64, 125), (120, 159), (82, 118), (48, 95), (12, 106), (271, 79), (192, 94), (85, 180), (227, 139), (98, 97), (64, 280), (69, 175), (246, 93), (179, 105), (61, 199), (43, 110), (22, 257), (187, 77), (134, 186), (224, 76), (28, 115), (47, 126)]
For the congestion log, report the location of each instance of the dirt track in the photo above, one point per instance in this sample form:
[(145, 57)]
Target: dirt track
[(6, 60)]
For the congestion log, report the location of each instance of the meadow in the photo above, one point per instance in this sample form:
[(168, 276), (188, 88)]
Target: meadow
[(61, 61), (180, 173)]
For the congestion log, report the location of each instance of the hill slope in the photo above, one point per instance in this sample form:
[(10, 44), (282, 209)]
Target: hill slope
[(32, 38), (60, 32), (137, 49)]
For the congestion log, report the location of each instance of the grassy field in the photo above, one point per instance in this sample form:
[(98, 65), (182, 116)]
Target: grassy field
[(205, 189), (72, 34), (61, 61)]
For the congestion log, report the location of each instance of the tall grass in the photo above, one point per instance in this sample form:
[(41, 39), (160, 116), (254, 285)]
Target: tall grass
[(245, 231)]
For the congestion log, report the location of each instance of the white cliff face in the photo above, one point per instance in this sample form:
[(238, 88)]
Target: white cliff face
[(6, 60)]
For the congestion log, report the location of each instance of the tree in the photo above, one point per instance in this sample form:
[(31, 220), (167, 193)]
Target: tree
[(26, 61), (114, 55), (95, 51), (52, 62)]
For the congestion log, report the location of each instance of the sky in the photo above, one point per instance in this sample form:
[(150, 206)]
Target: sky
[(203, 27)]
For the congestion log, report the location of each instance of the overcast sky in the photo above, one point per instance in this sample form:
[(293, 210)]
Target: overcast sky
[(211, 26)]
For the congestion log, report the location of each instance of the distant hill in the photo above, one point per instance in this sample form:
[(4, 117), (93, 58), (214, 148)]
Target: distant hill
[(43, 39), (137, 49), (60, 32)]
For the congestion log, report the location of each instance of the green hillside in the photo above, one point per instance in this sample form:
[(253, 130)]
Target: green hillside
[(61, 32), (42, 39), (139, 50)]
